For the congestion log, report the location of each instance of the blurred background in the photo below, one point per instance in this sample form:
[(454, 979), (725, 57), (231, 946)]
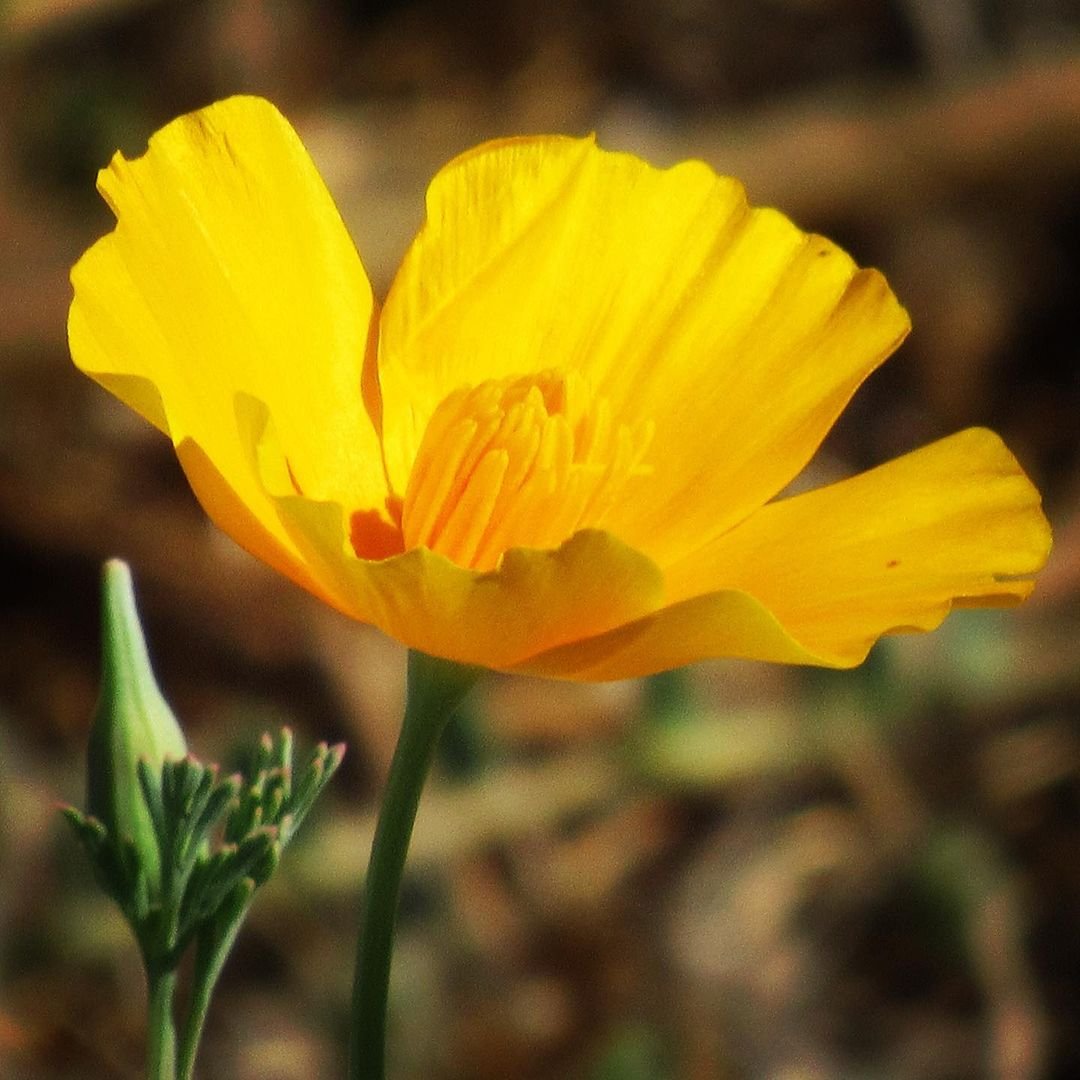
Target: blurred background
[(733, 871)]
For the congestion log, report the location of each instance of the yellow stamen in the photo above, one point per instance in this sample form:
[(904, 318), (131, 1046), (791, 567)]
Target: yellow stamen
[(523, 462)]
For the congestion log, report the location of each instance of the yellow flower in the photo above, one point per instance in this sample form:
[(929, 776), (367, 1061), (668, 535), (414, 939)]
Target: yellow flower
[(553, 449)]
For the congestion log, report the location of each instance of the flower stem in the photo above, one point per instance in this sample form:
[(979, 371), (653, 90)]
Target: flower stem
[(435, 688), (161, 1034), (209, 962)]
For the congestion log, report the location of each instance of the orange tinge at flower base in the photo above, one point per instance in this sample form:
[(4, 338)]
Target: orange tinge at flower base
[(556, 447)]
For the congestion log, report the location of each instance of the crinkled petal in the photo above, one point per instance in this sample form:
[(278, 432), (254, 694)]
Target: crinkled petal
[(535, 599), (728, 623), (230, 272), (740, 336), (818, 578)]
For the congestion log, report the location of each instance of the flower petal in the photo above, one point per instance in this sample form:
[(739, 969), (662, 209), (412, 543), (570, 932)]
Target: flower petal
[(230, 271), (535, 599), (818, 578), (739, 335), (728, 623), (261, 535)]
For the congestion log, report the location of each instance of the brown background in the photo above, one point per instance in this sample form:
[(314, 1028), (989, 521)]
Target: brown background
[(741, 871)]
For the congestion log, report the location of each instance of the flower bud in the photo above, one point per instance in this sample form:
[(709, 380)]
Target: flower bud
[(132, 722)]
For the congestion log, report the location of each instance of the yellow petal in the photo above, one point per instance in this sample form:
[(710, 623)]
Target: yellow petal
[(738, 335), (230, 273), (727, 623), (820, 577), (238, 519), (534, 600)]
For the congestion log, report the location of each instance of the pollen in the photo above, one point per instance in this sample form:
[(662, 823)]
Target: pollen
[(520, 462)]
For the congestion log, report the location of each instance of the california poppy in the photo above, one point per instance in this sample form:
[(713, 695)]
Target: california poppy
[(557, 446)]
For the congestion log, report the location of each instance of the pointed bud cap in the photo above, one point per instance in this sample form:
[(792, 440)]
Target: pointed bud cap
[(132, 722)]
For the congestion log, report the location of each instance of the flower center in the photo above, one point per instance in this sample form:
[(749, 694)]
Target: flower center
[(523, 462)]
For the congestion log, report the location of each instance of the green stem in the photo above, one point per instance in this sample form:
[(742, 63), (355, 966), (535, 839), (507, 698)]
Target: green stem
[(435, 688), (209, 961), (161, 1035)]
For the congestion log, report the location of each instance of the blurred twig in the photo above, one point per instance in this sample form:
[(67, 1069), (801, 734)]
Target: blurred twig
[(881, 157)]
